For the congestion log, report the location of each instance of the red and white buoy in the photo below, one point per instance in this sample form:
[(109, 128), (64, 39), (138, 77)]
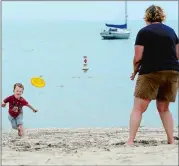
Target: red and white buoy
[(85, 65), (85, 59)]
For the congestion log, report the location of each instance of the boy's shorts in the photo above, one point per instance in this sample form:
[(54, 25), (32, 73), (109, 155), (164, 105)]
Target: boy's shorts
[(161, 85), (15, 122)]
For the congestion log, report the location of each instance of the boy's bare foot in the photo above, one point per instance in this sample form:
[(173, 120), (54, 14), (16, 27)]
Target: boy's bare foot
[(20, 130), (19, 133)]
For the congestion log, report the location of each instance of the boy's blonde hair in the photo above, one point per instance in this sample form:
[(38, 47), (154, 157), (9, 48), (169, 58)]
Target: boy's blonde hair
[(154, 14), (19, 85)]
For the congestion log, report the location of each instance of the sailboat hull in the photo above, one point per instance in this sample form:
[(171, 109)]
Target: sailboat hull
[(118, 35)]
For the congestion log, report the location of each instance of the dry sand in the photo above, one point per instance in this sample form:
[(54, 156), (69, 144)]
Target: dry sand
[(90, 146)]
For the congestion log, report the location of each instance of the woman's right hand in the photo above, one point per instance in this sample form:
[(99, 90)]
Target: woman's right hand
[(133, 76)]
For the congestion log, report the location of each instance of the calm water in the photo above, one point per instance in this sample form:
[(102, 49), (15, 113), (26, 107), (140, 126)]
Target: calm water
[(102, 97)]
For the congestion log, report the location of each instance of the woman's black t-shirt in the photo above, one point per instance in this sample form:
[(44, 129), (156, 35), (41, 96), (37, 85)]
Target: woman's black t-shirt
[(159, 43)]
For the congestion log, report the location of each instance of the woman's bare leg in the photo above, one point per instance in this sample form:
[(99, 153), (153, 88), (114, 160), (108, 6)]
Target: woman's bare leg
[(167, 119), (140, 106)]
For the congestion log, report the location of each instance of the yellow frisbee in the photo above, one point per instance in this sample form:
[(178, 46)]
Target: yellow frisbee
[(38, 82)]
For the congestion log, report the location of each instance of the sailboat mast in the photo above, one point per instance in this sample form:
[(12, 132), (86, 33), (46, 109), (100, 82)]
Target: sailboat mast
[(126, 12)]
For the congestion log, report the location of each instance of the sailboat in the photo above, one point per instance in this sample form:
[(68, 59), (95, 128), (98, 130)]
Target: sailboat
[(117, 31)]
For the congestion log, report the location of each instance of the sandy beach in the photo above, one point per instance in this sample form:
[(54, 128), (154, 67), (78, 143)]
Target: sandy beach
[(88, 146)]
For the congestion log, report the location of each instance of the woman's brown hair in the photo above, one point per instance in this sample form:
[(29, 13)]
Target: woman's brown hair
[(154, 14)]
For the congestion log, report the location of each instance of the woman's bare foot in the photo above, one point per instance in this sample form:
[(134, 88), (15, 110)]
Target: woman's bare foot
[(171, 141), (129, 142)]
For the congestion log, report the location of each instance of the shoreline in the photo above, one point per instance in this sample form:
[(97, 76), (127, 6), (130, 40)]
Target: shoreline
[(88, 146)]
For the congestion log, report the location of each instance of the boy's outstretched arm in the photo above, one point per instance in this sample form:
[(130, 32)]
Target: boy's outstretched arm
[(3, 104), (6, 100), (32, 108)]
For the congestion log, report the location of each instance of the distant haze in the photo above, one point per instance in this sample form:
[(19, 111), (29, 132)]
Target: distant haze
[(81, 10)]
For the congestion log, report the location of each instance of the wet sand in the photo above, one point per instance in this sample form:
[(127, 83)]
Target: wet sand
[(88, 146)]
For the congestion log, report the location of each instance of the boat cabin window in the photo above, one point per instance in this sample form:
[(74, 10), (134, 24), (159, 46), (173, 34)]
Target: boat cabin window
[(113, 30)]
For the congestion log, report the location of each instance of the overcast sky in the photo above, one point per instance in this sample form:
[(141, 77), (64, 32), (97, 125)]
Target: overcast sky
[(81, 10)]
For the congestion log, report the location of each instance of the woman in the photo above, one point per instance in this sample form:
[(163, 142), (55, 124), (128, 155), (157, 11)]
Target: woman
[(156, 60)]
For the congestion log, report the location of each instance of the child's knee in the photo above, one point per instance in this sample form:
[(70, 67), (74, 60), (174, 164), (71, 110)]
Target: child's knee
[(19, 121), (14, 126)]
